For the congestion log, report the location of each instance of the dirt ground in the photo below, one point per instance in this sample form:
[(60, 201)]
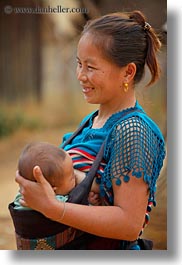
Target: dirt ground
[(10, 149)]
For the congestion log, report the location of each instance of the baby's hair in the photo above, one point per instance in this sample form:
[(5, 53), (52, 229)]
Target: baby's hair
[(127, 38), (48, 156)]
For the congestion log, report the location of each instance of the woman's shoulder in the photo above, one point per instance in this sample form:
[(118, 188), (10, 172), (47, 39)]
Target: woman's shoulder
[(135, 129), (137, 120)]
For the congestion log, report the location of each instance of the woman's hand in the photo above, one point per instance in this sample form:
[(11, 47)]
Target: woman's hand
[(36, 195)]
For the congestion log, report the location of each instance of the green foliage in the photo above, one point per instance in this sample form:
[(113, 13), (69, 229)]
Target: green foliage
[(9, 123)]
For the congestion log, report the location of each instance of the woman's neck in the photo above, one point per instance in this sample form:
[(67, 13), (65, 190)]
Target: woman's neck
[(107, 110)]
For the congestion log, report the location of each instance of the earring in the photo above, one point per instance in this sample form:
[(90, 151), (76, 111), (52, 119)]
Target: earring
[(125, 87)]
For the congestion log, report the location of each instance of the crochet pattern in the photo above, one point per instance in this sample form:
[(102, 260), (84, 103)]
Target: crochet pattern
[(133, 146)]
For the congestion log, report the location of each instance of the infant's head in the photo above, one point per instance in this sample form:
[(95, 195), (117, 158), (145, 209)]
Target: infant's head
[(55, 163)]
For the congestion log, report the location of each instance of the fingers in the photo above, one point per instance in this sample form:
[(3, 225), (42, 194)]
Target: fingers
[(94, 198), (94, 195), (19, 179), (38, 175), (22, 202)]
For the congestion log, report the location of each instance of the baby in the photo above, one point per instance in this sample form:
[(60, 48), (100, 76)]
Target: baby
[(56, 166)]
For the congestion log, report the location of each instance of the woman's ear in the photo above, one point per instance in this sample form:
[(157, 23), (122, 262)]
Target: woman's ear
[(130, 72)]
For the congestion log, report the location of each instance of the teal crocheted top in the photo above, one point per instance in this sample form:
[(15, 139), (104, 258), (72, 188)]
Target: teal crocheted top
[(133, 144)]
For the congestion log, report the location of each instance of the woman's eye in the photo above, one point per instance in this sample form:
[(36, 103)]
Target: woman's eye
[(90, 67), (79, 64)]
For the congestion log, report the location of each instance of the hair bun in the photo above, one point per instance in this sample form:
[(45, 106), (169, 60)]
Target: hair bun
[(138, 17)]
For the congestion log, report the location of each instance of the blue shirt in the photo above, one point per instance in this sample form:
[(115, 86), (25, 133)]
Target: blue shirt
[(134, 144)]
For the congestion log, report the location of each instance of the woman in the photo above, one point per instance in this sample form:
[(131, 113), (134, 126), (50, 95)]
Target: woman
[(112, 53)]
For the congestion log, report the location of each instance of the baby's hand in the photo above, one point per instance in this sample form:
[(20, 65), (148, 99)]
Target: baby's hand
[(94, 198)]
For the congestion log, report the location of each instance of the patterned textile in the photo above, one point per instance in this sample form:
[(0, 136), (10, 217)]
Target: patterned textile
[(20, 215), (83, 161), (47, 243), (133, 146)]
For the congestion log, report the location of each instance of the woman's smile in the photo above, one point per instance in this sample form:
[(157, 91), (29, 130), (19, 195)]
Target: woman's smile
[(87, 90)]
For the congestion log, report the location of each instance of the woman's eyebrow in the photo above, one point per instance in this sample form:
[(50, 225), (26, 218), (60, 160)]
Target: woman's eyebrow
[(88, 60)]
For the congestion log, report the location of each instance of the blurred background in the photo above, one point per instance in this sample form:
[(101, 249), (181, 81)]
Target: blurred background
[(40, 98)]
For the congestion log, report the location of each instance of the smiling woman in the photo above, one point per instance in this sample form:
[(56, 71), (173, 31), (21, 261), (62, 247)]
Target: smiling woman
[(112, 53), (101, 79)]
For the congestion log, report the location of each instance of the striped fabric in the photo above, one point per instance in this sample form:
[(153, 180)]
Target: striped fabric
[(83, 161), (47, 243)]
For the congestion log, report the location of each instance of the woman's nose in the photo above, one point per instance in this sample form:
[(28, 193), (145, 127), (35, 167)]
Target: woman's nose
[(81, 76)]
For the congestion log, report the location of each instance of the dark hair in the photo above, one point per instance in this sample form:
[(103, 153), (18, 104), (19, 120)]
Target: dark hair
[(126, 38), (45, 155)]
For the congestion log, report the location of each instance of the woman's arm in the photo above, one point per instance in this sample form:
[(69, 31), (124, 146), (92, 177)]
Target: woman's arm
[(124, 220)]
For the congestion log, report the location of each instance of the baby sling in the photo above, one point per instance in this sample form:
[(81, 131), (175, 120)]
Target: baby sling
[(34, 231)]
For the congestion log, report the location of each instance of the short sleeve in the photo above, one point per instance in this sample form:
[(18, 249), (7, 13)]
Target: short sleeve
[(134, 147)]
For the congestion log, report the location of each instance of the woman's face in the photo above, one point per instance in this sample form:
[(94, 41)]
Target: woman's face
[(100, 79)]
